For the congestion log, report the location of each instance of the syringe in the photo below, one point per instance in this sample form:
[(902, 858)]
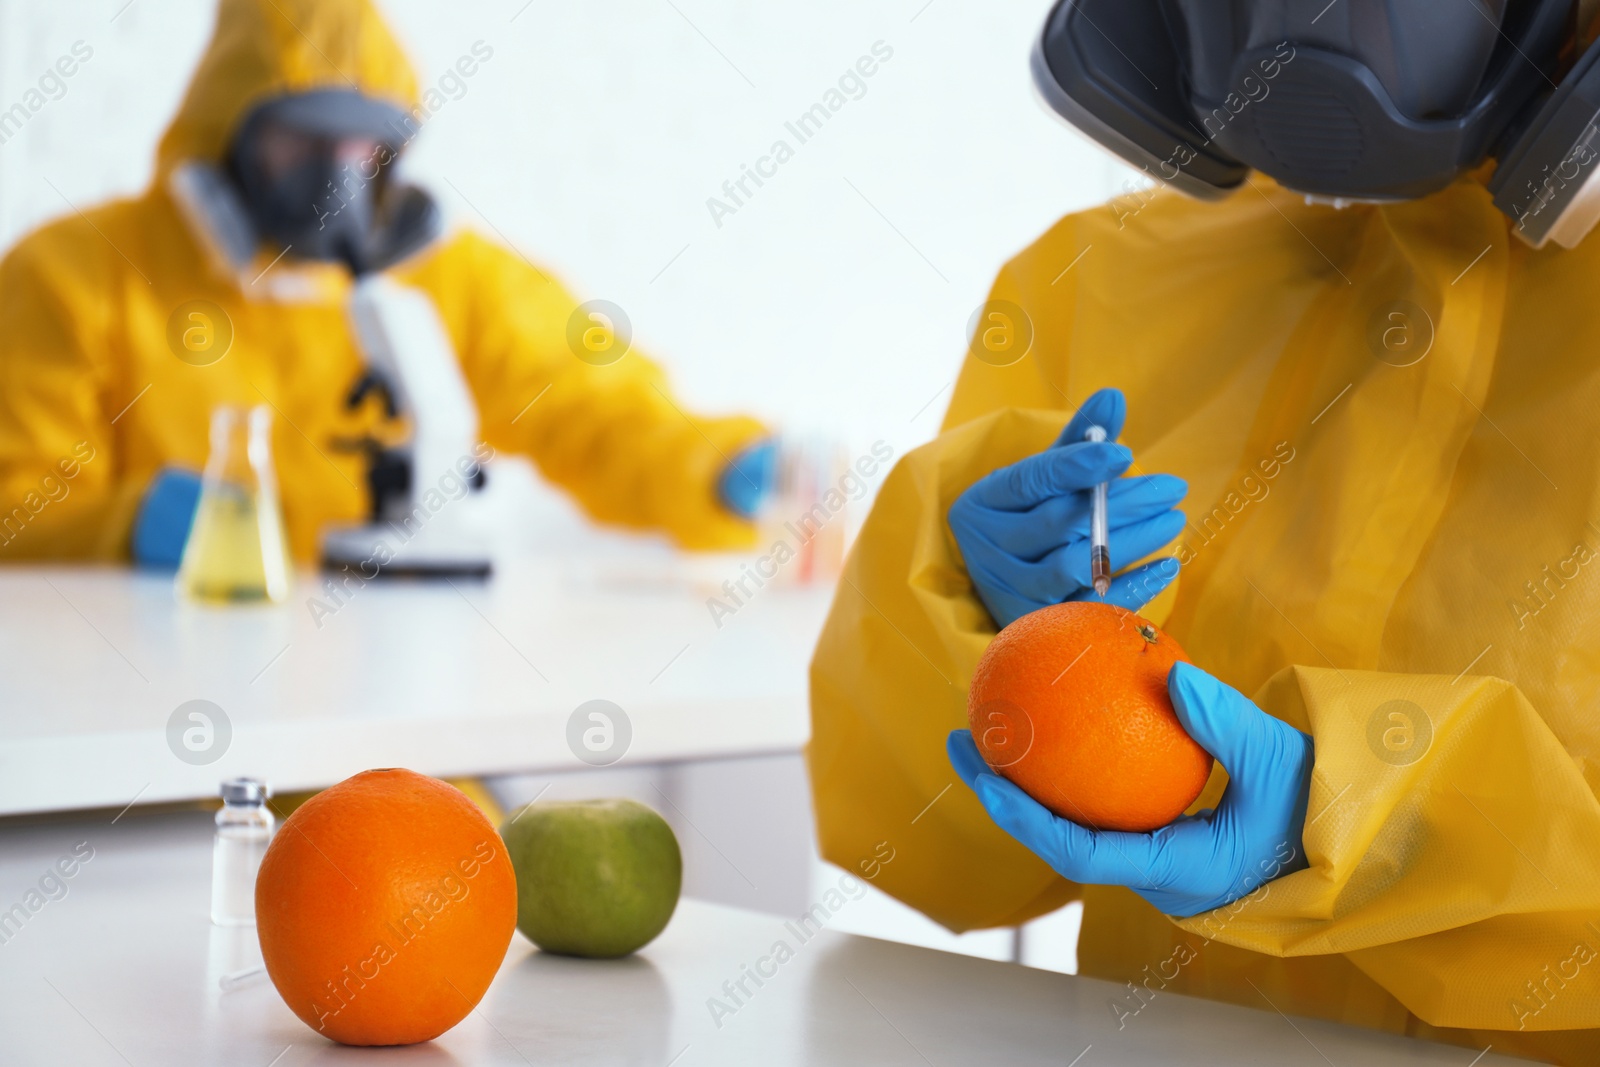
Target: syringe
[(1099, 528)]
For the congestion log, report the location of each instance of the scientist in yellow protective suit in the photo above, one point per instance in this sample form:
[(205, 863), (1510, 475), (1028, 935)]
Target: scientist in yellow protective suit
[(274, 186), (1374, 368)]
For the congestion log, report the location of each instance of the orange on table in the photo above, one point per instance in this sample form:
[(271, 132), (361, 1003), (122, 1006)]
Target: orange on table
[(1070, 703), (384, 906)]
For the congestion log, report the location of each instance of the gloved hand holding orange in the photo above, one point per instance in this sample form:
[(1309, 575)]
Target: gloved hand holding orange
[(1090, 726), (1070, 703)]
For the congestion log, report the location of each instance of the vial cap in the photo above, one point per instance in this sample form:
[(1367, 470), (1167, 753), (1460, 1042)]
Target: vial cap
[(245, 791)]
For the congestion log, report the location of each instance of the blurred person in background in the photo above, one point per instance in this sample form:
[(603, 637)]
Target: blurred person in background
[(1377, 386), (275, 185)]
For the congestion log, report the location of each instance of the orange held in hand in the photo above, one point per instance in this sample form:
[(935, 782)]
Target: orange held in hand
[(1070, 703), (385, 905)]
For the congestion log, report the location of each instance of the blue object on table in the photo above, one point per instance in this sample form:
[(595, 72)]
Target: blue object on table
[(1200, 861), (166, 514), (1023, 530), (749, 479)]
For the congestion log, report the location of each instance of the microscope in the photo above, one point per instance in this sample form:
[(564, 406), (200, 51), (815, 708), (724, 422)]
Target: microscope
[(427, 517)]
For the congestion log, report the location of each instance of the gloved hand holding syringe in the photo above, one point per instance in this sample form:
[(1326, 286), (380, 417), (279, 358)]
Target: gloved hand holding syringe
[(1037, 532)]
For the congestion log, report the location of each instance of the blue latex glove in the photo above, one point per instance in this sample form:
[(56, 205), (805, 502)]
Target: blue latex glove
[(166, 514), (1023, 530), (748, 479), (1200, 861)]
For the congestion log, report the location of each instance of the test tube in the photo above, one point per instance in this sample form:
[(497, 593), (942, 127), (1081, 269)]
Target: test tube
[(1099, 528)]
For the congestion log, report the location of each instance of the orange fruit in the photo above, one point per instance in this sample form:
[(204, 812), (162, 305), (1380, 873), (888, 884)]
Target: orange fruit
[(1070, 703), (384, 906)]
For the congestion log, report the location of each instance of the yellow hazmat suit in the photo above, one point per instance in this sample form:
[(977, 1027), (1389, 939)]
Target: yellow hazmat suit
[(93, 401), (1386, 416)]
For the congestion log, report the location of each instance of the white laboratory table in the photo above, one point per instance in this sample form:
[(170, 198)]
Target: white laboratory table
[(445, 678), (125, 970)]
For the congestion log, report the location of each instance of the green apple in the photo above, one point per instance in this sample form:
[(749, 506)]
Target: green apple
[(596, 878)]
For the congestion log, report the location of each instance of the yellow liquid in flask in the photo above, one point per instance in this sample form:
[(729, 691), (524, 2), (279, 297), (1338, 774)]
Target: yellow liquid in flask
[(236, 551)]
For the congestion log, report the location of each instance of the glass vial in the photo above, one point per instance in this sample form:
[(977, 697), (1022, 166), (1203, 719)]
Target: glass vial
[(244, 827), (237, 550)]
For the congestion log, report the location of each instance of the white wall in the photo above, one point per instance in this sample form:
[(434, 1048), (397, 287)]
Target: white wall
[(597, 131)]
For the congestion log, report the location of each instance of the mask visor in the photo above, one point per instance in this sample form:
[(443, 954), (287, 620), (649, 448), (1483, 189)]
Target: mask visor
[(1110, 69)]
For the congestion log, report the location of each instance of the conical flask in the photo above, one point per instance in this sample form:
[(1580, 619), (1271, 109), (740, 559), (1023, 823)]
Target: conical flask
[(236, 550)]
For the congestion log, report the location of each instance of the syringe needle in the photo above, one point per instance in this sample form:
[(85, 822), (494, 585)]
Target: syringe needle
[(1099, 528)]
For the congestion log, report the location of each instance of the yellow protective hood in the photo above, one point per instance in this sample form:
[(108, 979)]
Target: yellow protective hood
[(266, 48)]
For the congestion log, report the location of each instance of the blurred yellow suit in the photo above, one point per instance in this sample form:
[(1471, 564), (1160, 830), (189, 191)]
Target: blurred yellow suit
[(86, 369), (1402, 560)]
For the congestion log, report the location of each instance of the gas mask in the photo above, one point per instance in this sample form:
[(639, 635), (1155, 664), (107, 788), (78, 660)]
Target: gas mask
[(1350, 100), (305, 192)]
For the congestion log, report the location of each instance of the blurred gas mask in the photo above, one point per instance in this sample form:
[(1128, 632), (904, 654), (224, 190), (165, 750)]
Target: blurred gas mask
[(1352, 100), (315, 172)]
